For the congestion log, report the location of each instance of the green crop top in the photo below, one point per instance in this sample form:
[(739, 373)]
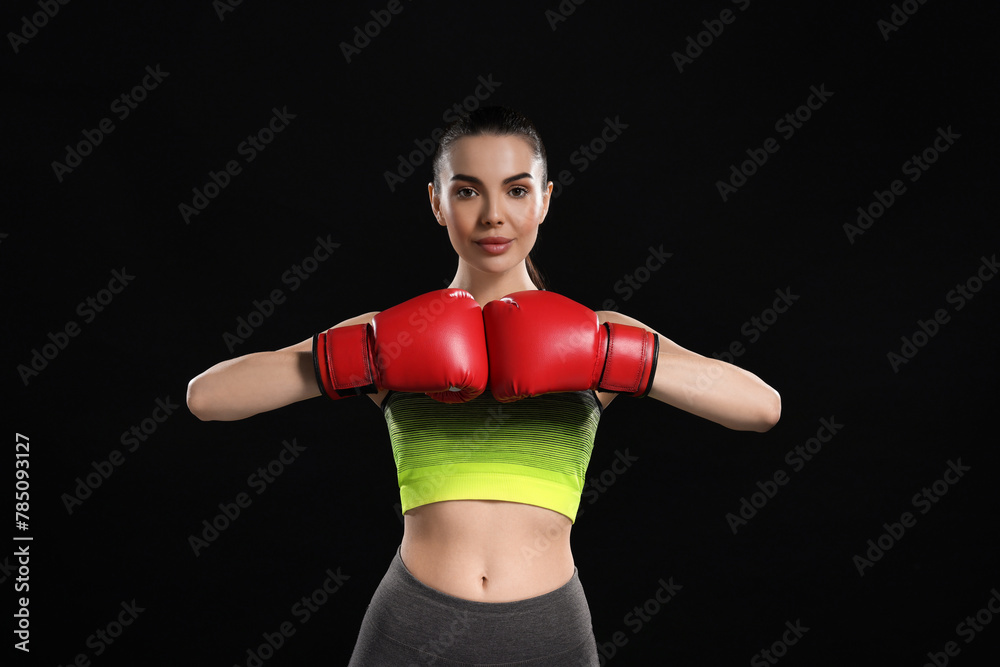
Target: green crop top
[(534, 451)]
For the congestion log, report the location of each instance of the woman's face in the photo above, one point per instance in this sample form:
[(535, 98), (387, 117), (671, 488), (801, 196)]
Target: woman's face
[(492, 200)]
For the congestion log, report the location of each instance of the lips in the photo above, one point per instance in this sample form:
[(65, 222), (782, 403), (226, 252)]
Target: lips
[(495, 244)]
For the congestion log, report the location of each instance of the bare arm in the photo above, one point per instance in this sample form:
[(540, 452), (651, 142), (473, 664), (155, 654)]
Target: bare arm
[(258, 382), (710, 388)]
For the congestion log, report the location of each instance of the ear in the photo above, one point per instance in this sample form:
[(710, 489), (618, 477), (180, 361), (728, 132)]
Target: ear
[(435, 204), (547, 199)]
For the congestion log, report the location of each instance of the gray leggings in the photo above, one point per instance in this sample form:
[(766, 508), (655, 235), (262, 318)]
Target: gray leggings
[(409, 624)]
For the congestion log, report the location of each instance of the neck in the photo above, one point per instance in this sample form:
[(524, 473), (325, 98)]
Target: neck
[(485, 287)]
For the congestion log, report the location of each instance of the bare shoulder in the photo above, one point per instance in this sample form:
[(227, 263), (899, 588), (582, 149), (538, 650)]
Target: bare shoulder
[(615, 317), (360, 319), (666, 345)]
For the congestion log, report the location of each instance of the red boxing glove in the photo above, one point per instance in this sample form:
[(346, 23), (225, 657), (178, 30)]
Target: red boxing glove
[(433, 344), (542, 342)]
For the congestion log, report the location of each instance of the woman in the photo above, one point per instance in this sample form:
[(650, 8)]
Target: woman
[(484, 473)]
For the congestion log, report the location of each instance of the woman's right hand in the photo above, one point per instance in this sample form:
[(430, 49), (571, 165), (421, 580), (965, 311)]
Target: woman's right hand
[(433, 344), (254, 383)]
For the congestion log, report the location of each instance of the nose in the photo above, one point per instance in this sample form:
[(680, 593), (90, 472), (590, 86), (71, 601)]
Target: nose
[(491, 213)]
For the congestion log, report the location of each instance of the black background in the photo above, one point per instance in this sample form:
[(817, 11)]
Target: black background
[(655, 185)]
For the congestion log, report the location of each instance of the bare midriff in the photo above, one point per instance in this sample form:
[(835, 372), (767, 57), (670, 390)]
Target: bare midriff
[(487, 550)]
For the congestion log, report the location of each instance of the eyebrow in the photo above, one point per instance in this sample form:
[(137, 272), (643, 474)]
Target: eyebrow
[(473, 179)]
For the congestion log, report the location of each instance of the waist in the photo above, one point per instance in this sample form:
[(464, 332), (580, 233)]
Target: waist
[(487, 550)]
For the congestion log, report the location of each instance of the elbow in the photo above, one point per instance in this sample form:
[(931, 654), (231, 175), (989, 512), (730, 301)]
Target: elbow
[(770, 413), (197, 402)]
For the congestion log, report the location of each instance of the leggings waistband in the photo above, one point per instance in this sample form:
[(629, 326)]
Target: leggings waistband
[(410, 623)]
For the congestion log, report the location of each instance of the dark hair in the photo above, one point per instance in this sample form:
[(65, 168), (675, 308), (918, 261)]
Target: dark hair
[(496, 121)]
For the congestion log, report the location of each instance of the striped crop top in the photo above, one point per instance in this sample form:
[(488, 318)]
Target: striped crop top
[(533, 451)]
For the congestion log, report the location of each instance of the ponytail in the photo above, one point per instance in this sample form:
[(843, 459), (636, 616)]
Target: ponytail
[(534, 273)]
